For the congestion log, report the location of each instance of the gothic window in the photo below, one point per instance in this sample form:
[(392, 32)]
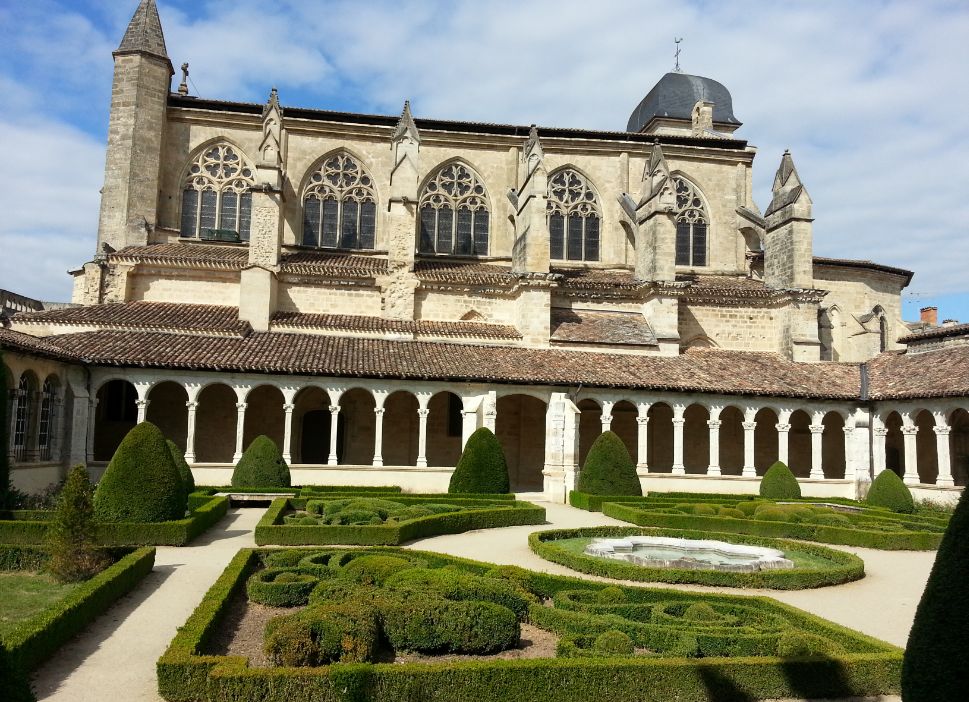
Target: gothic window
[(691, 224), (22, 417), (216, 199), (340, 206), (454, 213), (46, 427), (573, 217)]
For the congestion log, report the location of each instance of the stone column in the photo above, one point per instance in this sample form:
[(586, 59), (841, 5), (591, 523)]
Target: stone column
[(783, 442), (714, 467), (142, 406), (378, 437), (92, 424), (909, 432), (944, 478), (422, 437), (55, 426), (878, 448), (851, 460), (469, 423), (749, 471), (331, 460), (192, 406), (678, 422), (288, 432), (642, 446), (606, 417), (817, 449), (240, 429)]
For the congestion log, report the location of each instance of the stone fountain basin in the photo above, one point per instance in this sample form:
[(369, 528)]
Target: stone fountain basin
[(690, 554)]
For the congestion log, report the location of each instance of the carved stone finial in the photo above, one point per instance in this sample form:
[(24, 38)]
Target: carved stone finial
[(656, 175), (270, 149), (532, 152), (183, 86), (406, 127), (787, 188)]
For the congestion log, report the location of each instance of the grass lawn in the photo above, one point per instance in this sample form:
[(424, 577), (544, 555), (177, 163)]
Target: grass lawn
[(801, 560), (24, 594)]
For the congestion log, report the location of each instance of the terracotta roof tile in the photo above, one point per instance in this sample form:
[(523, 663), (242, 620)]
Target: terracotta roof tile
[(365, 324), (941, 373), (936, 333), (598, 279), (470, 273), (332, 264), (18, 341), (184, 253), (584, 327), (707, 370), (144, 315)]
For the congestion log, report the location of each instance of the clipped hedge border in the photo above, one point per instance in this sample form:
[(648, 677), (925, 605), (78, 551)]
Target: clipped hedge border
[(485, 515), (205, 512), (334, 494), (593, 503), (36, 639), (263, 588), (871, 667), (846, 536), (849, 567)]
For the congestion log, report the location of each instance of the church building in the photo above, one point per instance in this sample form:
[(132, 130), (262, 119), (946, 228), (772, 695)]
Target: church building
[(367, 290)]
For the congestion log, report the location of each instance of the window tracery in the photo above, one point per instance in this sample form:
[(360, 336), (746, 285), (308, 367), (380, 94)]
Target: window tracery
[(691, 224), (340, 206), (22, 418), (573, 217), (46, 425), (455, 218), (216, 202)]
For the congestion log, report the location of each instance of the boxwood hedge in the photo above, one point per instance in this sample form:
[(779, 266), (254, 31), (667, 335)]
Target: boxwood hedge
[(738, 647), (844, 567)]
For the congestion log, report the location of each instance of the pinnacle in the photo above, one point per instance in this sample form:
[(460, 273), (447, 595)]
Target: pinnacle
[(144, 32)]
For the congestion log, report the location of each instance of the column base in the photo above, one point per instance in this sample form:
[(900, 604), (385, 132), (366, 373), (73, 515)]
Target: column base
[(816, 475), (331, 461), (642, 469), (378, 463), (422, 463), (236, 457), (713, 470), (679, 470), (288, 458), (749, 472), (910, 479), (190, 458), (944, 482)]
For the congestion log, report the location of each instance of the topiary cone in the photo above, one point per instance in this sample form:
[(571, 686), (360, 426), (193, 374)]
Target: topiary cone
[(481, 468), (888, 490), (779, 483), (261, 466), (609, 469), (936, 666), (141, 483), (188, 480)]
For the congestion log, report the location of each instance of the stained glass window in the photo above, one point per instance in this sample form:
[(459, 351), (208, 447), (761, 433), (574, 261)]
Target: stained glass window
[(340, 206), (573, 217), (691, 224), (216, 202), (454, 213)]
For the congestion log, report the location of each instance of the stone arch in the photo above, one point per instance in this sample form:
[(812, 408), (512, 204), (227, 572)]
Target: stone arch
[(167, 410), (659, 443), (445, 427), (731, 440), (696, 439), (926, 447), (215, 423), (959, 446), (264, 415), (798, 443), (833, 461), (24, 410), (47, 416), (311, 426), (699, 341), (624, 414), (400, 429), (520, 428), (765, 439), (359, 428), (116, 415), (894, 445)]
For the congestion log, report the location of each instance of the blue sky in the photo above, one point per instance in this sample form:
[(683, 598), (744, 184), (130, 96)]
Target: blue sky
[(871, 98)]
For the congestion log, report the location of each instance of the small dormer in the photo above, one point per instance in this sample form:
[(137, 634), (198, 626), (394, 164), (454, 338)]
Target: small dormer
[(684, 104)]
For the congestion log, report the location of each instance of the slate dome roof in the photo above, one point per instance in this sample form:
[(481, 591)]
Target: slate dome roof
[(674, 97)]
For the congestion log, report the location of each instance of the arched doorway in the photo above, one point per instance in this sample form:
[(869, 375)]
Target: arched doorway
[(264, 416), (590, 426), (311, 427), (765, 440), (696, 440), (359, 428), (215, 424), (833, 446), (959, 446), (47, 419), (167, 411), (117, 414), (520, 428), (798, 444), (731, 441), (926, 448), (659, 443), (624, 414), (401, 429), (894, 445), (445, 425)]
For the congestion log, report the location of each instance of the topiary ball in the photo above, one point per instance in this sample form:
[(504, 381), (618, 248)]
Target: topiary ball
[(261, 466), (888, 490), (481, 468), (188, 480), (614, 643), (779, 483), (141, 483), (608, 468)]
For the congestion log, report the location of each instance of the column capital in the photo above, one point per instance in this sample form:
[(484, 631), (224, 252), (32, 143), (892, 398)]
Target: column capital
[(782, 427), (678, 421), (749, 426), (423, 413), (910, 430), (192, 405), (816, 428), (142, 403), (881, 431), (334, 409), (642, 420), (714, 423), (942, 431), (288, 407), (241, 406), (379, 411), (847, 430)]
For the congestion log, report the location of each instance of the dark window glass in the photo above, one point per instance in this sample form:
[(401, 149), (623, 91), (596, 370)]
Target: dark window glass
[(348, 235), (556, 230), (481, 221), (699, 244), (682, 243), (227, 215), (462, 246), (120, 399), (190, 210), (445, 233), (311, 222), (208, 213), (428, 219), (574, 248), (592, 238), (368, 225), (245, 216), (330, 213)]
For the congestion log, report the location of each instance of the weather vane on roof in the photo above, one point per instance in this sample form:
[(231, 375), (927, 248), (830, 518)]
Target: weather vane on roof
[(677, 54)]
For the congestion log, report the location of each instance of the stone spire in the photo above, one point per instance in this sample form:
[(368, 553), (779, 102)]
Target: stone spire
[(406, 128), (788, 240), (788, 189), (271, 147), (651, 219), (144, 33)]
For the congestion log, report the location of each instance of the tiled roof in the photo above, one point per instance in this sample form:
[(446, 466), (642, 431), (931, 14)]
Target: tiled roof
[(467, 272), (706, 370), (598, 279), (936, 333), (18, 341), (726, 286), (144, 315), (185, 253), (621, 328), (942, 373), (332, 264), (365, 324)]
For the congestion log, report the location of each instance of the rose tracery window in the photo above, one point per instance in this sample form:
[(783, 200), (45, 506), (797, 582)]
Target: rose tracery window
[(340, 206), (573, 217), (216, 202), (454, 213), (691, 224)]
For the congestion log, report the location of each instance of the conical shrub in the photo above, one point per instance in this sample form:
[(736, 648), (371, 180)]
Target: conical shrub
[(481, 468), (609, 469), (888, 490), (936, 666), (261, 466), (141, 483), (188, 480), (70, 537), (779, 483)]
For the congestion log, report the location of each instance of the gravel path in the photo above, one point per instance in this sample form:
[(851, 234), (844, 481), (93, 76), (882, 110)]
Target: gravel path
[(115, 657)]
